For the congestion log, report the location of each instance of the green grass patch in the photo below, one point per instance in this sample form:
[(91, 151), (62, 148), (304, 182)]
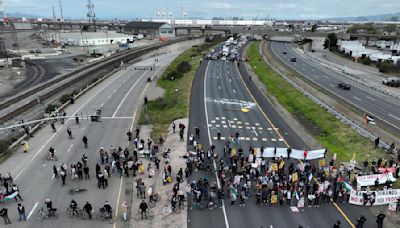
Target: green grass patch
[(332, 134), (177, 82)]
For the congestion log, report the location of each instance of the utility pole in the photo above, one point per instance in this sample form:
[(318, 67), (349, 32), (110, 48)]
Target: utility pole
[(62, 17), (90, 14)]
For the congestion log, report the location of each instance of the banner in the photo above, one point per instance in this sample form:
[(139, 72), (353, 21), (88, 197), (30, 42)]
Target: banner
[(369, 180), (382, 197), (269, 152)]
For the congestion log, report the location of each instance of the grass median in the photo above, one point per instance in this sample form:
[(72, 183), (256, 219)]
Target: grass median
[(332, 133), (174, 104)]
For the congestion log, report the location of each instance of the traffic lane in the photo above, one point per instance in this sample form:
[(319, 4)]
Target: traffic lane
[(197, 218), (358, 90), (386, 113), (227, 116)]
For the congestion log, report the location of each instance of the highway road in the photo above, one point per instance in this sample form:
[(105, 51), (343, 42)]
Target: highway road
[(118, 97), (218, 94), (384, 108)]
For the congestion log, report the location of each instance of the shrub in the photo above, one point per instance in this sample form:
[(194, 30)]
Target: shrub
[(184, 67), (366, 61), (173, 75), (50, 108), (385, 67), (64, 98)]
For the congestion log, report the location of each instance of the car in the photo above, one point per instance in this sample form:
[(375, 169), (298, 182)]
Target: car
[(344, 86), (32, 51), (223, 58), (293, 59), (38, 51), (284, 52)]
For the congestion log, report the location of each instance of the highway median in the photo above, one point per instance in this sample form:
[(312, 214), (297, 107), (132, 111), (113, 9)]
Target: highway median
[(329, 131), (177, 83)]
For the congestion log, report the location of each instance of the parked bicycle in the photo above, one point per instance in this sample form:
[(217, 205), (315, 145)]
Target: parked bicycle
[(50, 157), (168, 210), (77, 213), (153, 200)]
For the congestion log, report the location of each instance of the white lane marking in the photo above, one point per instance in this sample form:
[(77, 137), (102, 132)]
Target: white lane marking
[(20, 172), (234, 91), (33, 209), (116, 118), (331, 85), (270, 226), (230, 80), (357, 98), (115, 90), (217, 77), (255, 132), (219, 87), (102, 104), (126, 95), (83, 129), (120, 86), (397, 118), (370, 98), (70, 147), (210, 141), (108, 97)]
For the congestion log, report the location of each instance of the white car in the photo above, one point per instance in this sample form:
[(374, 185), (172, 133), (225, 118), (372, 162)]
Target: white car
[(223, 58)]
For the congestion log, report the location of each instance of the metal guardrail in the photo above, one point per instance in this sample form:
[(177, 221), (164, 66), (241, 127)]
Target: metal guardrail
[(360, 130)]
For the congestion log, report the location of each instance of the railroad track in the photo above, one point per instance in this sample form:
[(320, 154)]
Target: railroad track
[(81, 73)]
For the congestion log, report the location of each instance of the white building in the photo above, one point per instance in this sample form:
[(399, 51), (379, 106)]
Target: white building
[(89, 38)]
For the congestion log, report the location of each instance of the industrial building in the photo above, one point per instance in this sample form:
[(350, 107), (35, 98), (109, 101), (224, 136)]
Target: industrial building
[(150, 30), (88, 38)]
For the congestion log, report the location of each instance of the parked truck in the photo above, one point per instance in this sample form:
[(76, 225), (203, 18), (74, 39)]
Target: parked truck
[(392, 82)]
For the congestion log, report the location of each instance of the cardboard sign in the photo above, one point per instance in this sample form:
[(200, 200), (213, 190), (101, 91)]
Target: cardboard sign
[(274, 167), (295, 177), (322, 163), (274, 199)]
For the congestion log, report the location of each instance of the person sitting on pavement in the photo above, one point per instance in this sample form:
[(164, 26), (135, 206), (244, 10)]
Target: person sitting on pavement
[(143, 208)]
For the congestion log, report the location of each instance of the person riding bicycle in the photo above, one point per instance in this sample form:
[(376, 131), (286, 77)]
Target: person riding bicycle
[(74, 206), (88, 209), (151, 194), (49, 206), (51, 152), (108, 209), (143, 208)]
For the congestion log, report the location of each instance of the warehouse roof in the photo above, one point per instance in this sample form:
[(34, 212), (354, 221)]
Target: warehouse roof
[(144, 25)]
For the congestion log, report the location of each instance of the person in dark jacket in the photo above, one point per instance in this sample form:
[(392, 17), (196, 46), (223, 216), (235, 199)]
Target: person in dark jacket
[(21, 212), (4, 214)]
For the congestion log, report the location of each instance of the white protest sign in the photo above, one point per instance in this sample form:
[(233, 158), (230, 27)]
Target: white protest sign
[(382, 197), (369, 180)]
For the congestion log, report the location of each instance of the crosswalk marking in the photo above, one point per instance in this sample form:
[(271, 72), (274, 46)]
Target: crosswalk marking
[(233, 126), (215, 138), (273, 140), (235, 119), (260, 128), (247, 123), (242, 138), (240, 127), (247, 127), (239, 122), (255, 139), (280, 139), (223, 122), (222, 138), (225, 126), (223, 117), (212, 121), (248, 138), (217, 125), (217, 118), (269, 129), (210, 125), (257, 124), (264, 139)]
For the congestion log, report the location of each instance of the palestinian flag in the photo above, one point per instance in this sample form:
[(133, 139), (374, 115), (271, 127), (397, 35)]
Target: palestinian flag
[(347, 187)]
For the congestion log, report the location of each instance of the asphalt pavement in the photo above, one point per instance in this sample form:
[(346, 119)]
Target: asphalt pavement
[(118, 97), (384, 108), (219, 92)]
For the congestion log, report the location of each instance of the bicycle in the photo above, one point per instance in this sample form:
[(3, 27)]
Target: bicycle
[(49, 215), (49, 157), (77, 213), (153, 200), (103, 215), (149, 215), (168, 210)]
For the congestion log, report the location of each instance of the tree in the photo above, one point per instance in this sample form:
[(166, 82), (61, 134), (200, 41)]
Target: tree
[(184, 67), (331, 41), (314, 27)]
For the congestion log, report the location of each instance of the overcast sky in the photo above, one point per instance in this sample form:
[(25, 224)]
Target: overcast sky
[(250, 9)]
